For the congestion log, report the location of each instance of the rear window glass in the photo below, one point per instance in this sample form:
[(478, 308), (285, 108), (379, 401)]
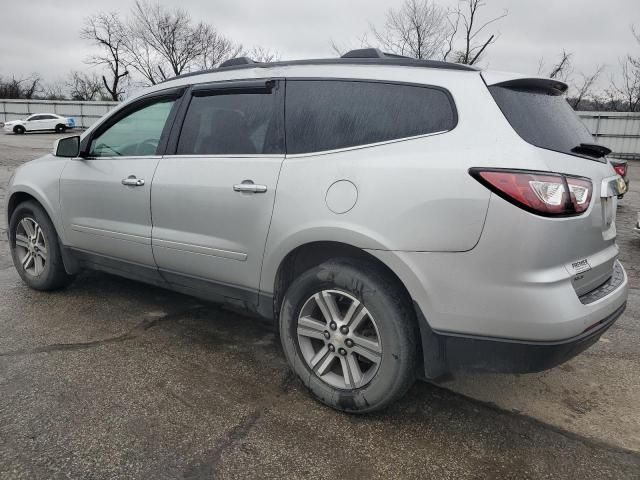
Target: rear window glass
[(232, 124), (542, 118), (330, 114)]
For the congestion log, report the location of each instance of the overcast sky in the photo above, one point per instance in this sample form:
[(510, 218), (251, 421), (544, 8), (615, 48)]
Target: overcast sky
[(42, 35)]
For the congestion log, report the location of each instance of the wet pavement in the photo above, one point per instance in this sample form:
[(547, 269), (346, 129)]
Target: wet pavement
[(114, 379)]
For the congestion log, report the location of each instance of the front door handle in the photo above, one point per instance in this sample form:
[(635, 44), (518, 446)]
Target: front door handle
[(132, 181), (250, 187)]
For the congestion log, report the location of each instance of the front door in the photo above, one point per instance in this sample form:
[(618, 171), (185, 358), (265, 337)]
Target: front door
[(213, 196), (105, 196)]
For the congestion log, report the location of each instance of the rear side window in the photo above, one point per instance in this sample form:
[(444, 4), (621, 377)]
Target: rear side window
[(330, 114), (232, 124), (542, 118)]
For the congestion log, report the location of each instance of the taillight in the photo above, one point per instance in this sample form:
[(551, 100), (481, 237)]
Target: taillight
[(542, 193), (621, 169)]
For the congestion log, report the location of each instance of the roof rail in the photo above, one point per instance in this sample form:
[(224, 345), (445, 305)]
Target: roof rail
[(364, 56), (234, 62), (370, 53)]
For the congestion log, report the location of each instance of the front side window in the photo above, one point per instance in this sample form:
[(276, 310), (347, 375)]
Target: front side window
[(136, 134), (325, 115), (229, 123)]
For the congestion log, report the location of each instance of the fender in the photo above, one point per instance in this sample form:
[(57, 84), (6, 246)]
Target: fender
[(277, 249)]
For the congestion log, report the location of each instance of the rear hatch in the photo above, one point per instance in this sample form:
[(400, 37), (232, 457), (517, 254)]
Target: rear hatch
[(538, 111)]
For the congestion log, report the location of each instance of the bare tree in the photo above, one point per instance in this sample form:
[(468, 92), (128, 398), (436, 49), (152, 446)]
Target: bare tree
[(263, 54), (84, 86), (20, 87), (625, 94), (55, 90), (216, 48), (107, 32), (583, 88), (417, 29), (563, 69), (467, 19)]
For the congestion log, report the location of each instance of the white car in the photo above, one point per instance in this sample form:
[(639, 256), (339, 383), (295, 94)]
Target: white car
[(39, 122)]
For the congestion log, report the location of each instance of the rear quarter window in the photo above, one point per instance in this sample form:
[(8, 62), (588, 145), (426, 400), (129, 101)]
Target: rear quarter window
[(326, 115)]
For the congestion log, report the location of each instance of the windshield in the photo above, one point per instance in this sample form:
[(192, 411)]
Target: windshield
[(542, 117)]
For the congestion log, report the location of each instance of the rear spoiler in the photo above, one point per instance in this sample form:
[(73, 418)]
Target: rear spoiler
[(499, 79)]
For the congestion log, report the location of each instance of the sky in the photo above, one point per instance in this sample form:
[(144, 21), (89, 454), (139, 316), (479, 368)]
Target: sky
[(42, 36)]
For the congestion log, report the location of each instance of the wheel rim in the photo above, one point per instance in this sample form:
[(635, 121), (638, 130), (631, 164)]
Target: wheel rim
[(339, 339), (31, 246)]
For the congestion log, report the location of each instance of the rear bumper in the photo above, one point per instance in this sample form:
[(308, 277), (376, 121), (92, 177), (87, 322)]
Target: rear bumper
[(471, 353)]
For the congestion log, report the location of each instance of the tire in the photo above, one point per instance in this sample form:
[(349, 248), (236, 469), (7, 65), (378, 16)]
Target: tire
[(386, 330), (60, 128), (18, 130), (45, 270)]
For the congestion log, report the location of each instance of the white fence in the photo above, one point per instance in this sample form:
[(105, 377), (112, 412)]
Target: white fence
[(620, 131), (85, 113)]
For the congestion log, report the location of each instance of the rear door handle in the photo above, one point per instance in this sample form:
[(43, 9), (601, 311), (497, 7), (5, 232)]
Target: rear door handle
[(132, 181), (249, 187)]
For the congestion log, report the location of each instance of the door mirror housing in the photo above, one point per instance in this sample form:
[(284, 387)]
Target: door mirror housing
[(67, 147)]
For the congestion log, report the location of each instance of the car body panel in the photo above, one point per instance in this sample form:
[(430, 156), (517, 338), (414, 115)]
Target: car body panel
[(102, 215), (202, 227), (472, 262)]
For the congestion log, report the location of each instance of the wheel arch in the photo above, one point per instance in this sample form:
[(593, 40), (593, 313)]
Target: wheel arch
[(25, 194), (430, 357)]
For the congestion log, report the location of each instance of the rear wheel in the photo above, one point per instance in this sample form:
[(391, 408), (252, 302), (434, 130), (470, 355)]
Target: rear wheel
[(60, 128), (349, 335), (35, 248), (18, 129)]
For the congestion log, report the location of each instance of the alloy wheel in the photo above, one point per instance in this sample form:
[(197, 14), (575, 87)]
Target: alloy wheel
[(31, 246), (339, 339)]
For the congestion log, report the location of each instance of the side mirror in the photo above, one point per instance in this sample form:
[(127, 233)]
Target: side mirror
[(67, 147)]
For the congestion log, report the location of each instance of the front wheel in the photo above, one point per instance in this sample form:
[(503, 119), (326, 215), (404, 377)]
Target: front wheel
[(35, 248), (18, 130), (60, 128), (349, 334)]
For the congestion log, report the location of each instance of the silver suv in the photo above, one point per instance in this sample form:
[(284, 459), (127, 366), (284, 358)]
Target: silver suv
[(400, 219)]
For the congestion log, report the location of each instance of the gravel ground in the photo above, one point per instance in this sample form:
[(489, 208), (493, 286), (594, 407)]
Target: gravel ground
[(112, 379)]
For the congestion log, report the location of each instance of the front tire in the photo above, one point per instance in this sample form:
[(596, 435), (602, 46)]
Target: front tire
[(61, 128), (349, 334), (35, 248), (18, 130)]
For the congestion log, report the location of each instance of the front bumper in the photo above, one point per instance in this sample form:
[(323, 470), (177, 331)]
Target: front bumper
[(471, 353)]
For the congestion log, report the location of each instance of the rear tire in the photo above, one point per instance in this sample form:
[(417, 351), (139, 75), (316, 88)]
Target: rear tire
[(18, 130), (358, 366), (61, 128), (35, 248)]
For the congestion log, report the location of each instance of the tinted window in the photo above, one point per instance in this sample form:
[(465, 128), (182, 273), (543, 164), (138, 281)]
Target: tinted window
[(35, 117), (136, 134), (232, 124), (542, 118), (327, 114)]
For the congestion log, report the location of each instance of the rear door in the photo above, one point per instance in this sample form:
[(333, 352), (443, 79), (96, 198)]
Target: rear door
[(49, 122), (214, 190)]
